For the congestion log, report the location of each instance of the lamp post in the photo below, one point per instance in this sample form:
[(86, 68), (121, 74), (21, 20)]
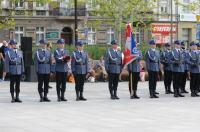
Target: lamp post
[(171, 22), (76, 22)]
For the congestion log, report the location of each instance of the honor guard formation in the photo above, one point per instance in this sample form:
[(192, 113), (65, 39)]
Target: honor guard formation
[(176, 63)]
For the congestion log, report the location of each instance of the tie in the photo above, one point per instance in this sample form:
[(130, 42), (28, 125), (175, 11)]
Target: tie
[(80, 53)]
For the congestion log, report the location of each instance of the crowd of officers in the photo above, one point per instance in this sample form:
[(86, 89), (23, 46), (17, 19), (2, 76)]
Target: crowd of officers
[(177, 62)]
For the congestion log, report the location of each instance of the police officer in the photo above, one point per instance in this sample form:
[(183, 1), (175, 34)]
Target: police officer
[(177, 60), (113, 66), (43, 69), (185, 74), (62, 58), (80, 68), (134, 75), (152, 58), (14, 65), (193, 60), (165, 60)]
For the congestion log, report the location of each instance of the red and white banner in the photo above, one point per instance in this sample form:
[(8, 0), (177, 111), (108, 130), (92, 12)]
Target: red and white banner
[(161, 32)]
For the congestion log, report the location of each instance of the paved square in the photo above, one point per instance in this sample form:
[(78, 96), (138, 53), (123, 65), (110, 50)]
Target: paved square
[(99, 113)]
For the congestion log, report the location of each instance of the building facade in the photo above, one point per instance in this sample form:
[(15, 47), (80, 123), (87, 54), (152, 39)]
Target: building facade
[(56, 20)]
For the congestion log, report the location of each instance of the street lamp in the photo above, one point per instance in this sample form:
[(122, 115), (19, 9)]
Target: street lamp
[(76, 22), (171, 13)]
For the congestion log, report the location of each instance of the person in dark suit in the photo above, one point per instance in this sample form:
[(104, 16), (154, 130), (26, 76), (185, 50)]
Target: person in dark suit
[(61, 68), (80, 67), (193, 59), (134, 75), (165, 60), (177, 60), (113, 66), (185, 74), (43, 70), (14, 65), (152, 59)]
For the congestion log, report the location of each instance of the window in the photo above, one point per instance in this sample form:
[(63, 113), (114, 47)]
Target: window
[(186, 1), (19, 32), (41, 13), (110, 35), (186, 9), (186, 34), (39, 34), (91, 36), (19, 3), (163, 9)]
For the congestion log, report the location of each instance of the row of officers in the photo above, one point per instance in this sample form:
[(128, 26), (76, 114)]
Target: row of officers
[(177, 63)]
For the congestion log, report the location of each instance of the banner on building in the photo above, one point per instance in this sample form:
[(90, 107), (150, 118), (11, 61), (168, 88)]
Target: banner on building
[(161, 32)]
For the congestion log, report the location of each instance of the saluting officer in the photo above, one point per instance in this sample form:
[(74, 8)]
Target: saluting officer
[(193, 60), (165, 60), (185, 74), (43, 69), (113, 66), (62, 58), (177, 60), (134, 75), (80, 68), (152, 58), (14, 65)]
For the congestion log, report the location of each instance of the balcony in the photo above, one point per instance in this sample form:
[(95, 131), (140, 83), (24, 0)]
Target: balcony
[(69, 13)]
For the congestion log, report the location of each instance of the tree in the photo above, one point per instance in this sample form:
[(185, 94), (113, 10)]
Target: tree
[(120, 12)]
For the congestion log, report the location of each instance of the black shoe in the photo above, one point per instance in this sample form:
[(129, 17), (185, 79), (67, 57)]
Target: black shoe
[(135, 97), (184, 91), (170, 92), (112, 97), (116, 97), (167, 92), (151, 96), (176, 96), (59, 99), (82, 98), (156, 92), (50, 87), (193, 95), (18, 100), (13, 100), (155, 96), (63, 99), (180, 95), (41, 100), (46, 99), (197, 95)]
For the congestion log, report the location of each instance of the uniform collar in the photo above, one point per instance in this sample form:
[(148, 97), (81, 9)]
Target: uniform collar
[(153, 49)]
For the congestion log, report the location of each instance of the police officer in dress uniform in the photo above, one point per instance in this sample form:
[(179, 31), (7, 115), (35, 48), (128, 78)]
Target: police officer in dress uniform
[(14, 65), (80, 68), (177, 60), (185, 74), (165, 60), (113, 66), (198, 49), (193, 60), (152, 59), (134, 74), (62, 58), (43, 69)]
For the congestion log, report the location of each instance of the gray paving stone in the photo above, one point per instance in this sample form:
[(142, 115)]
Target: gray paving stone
[(99, 113)]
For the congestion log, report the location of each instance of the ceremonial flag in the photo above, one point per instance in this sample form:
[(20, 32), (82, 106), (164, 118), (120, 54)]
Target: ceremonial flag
[(130, 52)]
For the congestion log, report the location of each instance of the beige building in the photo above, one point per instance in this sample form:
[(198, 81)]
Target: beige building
[(51, 22)]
